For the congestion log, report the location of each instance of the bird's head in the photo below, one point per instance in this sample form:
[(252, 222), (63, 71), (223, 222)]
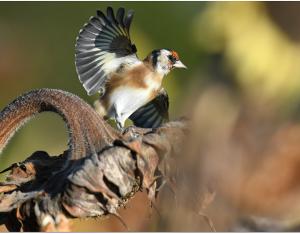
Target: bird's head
[(164, 60)]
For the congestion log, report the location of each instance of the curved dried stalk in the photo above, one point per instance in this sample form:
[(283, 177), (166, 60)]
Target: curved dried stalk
[(103, 170)]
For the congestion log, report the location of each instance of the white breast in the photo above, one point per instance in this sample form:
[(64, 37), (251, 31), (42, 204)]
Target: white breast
[(127, 100)]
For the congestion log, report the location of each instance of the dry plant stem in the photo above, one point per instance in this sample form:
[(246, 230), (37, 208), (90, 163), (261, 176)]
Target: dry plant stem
[(96, 176), (208, 221), (208, 198)]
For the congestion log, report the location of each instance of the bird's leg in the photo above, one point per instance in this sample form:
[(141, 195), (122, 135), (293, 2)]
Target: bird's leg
[(120, 120), (120, 127)]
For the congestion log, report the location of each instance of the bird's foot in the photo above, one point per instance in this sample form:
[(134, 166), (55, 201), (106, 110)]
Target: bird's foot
[(130, 131)]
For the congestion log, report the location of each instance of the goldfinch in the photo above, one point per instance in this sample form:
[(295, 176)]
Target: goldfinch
[(106, 62)]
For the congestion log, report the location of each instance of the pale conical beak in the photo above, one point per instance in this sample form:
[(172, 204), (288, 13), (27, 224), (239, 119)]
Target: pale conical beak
[(179, 64)]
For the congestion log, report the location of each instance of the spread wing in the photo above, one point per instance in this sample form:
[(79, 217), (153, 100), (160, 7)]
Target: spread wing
[(102, 47), (154, 113)]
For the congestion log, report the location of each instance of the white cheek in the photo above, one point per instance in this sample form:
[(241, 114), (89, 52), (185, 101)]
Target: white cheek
[(162, 69)]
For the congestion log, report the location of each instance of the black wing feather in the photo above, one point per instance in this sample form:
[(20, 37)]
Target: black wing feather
[(102, 40), (128, 19), (111, 15), (154, 113), (120, 16)]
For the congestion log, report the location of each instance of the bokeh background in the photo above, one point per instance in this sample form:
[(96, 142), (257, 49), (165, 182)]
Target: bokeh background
[(240, 170)]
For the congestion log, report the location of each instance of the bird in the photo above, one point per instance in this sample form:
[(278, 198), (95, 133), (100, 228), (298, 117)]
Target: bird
[(106, 63)]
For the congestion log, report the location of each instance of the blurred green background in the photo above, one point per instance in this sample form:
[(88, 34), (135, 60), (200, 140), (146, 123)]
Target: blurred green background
[(250, 48), (37, 50)]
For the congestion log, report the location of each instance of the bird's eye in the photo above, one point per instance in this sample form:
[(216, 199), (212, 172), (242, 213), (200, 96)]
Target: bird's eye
[(172, 59)]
